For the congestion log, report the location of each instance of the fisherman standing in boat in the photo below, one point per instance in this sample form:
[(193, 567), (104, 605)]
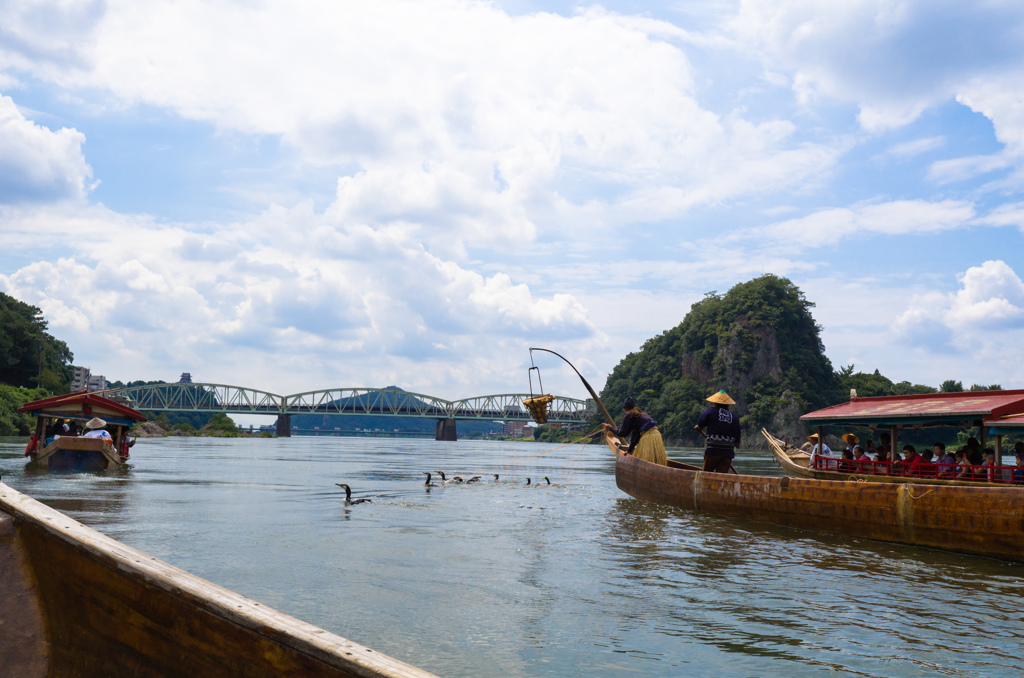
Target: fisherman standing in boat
[(721, 428), (644, 437)]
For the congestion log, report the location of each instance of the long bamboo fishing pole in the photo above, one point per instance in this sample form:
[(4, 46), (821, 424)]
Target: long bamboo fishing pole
[(597, 400)]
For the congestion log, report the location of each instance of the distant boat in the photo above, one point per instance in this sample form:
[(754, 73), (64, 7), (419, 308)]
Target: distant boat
[(75, 452), (78, 603)]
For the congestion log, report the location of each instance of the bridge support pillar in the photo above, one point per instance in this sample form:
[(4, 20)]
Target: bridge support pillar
[(284, 426), (446, 430)]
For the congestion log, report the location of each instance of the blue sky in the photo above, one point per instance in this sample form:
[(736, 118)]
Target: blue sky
[(299, 195)]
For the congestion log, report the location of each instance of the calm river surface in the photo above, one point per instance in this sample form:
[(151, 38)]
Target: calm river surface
[(500, 579)]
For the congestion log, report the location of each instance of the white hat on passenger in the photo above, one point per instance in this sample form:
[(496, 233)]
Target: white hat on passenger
[(95, 422)]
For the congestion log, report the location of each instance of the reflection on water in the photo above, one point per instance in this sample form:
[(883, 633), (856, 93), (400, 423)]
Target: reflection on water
[(504, 579)]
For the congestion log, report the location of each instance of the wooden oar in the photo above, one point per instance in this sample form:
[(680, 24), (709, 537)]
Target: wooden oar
[(698, 430)]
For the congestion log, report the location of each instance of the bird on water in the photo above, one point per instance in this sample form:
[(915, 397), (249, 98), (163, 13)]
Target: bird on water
[(527, 481), (496, 478), (428, 483), (349, 501), (546, 479), (445, 479), (474, 479)]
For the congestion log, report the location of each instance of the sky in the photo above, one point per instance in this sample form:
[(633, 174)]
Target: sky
[(311, 194)]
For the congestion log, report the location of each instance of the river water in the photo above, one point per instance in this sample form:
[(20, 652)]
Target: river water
[(505, 579)]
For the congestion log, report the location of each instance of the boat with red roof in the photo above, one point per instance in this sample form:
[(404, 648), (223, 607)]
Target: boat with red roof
[(54, 448), (994, 413)]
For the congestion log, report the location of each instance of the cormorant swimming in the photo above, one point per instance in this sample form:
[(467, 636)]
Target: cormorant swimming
[(349, 501)]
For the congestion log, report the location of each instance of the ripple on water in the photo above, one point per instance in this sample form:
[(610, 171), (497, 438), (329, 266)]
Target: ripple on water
[(504, 579)]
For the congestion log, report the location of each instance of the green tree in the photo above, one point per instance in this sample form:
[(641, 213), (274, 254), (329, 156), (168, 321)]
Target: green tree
[(12, 422), (222, 422), (990, 387), (24, 343), (950, 386)]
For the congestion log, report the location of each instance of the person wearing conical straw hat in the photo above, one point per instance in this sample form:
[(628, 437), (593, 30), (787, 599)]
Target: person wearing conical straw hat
[(721, 429), (820, 449), (96, 430), (644, 437)]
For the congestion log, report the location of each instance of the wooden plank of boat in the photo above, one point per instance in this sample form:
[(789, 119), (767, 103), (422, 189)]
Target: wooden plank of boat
[(67, 452), (986, 521), (796, 462), (78, 603)]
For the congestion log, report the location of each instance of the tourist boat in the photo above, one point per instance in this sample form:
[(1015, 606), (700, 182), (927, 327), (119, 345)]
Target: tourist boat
[(78, 603), (75, 452), (985, 521), (994, 413)]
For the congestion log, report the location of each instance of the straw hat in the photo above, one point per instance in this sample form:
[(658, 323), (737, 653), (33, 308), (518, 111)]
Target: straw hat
[(813, 437), (850, 439), (95, 422), (721, 398)]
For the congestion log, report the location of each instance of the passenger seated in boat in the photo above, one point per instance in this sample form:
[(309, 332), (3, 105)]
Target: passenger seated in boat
[(902, 467), (846, 460), (806, 447), (922, 466), (1018, 473), (946, 462), (851, 440), (96, 430), (991, 473), (863, 459), (968, 464), (820, 449)]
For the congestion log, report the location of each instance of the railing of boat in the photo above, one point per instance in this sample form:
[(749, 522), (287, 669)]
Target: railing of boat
[(1010, 475)]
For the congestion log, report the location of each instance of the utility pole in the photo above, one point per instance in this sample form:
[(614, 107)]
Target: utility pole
[(39, 378)]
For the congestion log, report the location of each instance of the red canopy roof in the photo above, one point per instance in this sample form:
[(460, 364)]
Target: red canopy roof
[(927, 408), (65, 405)]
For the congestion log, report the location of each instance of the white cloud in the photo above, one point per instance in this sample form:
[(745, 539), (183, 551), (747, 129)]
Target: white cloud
[(37, 165), (899, 217), (909, 149), (892, 58), (985, 316), (1008, 214), (326, 298), (453, 107)]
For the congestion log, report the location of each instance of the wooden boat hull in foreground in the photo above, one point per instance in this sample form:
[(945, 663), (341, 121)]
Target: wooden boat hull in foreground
[(984, 521), (78, 603)]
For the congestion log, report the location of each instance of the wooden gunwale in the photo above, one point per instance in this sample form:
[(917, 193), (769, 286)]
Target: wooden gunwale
[(794, 468), (984, 521), (110, 609), (100, 447)]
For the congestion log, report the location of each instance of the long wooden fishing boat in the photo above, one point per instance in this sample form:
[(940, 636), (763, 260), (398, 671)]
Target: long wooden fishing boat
[(985, 521), (50, 447), (76, 603)]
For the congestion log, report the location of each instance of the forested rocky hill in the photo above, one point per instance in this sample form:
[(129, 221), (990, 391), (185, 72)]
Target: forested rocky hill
[(760, 343)]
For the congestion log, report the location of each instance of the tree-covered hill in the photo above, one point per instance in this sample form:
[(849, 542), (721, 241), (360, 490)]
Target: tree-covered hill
[(758, 342), (22, 334)]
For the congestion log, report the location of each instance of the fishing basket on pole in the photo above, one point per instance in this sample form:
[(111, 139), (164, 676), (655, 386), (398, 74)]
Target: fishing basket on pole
[(537, 405)]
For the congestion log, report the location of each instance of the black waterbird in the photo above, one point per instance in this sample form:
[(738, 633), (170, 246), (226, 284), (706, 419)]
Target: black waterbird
[(349, 501)]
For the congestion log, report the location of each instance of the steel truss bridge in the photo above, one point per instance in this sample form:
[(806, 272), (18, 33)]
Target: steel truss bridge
[(383, 402)]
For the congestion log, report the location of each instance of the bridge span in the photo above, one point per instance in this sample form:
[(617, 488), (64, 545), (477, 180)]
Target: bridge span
[(383, 402)]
